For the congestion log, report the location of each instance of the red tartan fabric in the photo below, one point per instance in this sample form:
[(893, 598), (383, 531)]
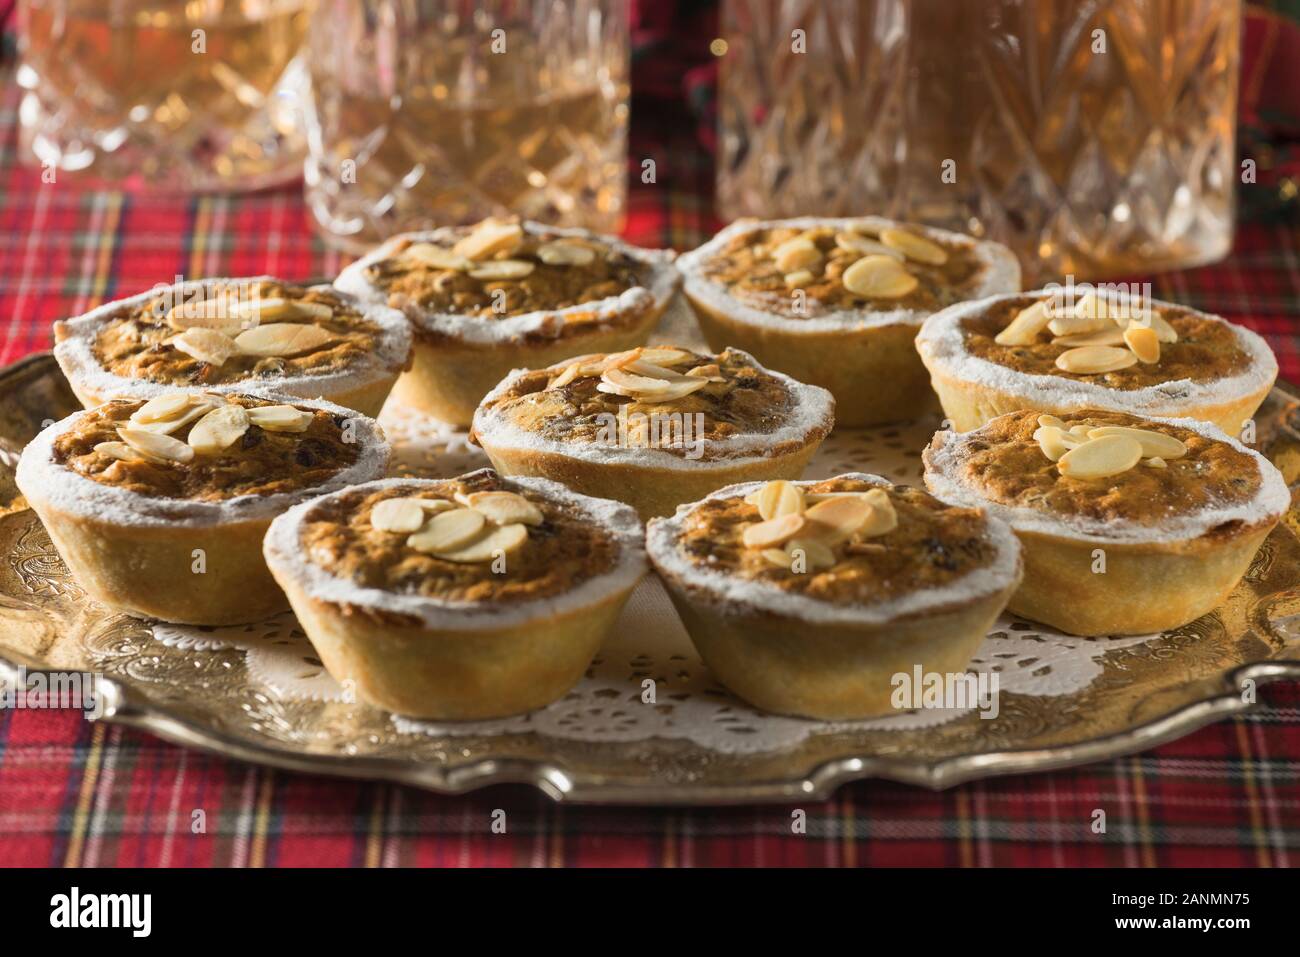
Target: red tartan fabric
[(80, 794)]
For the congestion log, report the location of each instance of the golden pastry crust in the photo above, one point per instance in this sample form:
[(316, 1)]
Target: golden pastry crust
[(497, 640), (1214, 372), (739, 422), (506, 294), (820, 323), (182, 540), (236, 335), (826, 640), (1144, 550)]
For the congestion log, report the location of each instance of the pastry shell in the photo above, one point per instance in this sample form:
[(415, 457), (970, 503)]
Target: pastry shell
[(364, 387), (442, 660), (852, 354), (796, 655), (655, 481), (1155, 579), (139, 554), (973, 390), (456, 360)]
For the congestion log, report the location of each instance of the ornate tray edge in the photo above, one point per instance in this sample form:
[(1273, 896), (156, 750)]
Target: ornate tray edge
[(126, 706)]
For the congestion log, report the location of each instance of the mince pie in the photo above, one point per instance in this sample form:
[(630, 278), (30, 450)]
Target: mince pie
[(236, 335), (1130, 525), (807, 598), (1058, 354), (158, 506), (465, 598), (505, 295), (837, 302), (654, 426)]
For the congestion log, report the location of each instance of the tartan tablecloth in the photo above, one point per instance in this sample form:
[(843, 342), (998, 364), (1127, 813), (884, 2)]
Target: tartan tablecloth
[(75, 793)]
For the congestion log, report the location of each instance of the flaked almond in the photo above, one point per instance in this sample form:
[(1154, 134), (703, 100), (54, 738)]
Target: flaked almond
[(282, 339), (1101, 457), (253, 312), (155, 447), (497, 540), (914, 247), (1094, 360), (652, 371), (435, 505), (490, 237), (810, 553), (852, 242), (799, 278), (402, 515), (570, 373), (1112, 335), (1053, 421), (206, 345), (641, 386), (1155, 462), (436, 257), (776, 531), (1073, 324), (777, 556), (212, 314), (504, 508), (560, 253), (169, 405), (1164, 331), (1154, 444), (1144, 343), (1025, 328), (878, 277), (448, 530), (883, 518), (219, 429), (280, 418), (665, 355), (841, 517), (1055, 441), (778, 498), (1080, 431), (118, 450), (201, 407), (712, 372), (671, 392), (795, 254), (502, 269)]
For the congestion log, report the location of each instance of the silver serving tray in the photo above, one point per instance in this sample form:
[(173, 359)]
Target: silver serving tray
[(1145, 695)]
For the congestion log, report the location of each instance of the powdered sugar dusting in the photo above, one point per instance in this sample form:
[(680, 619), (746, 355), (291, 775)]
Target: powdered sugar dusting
[(943, 344), (48, 482), (664, 281), (1001, 274), (77, 359), (745, 595), (811, 410), (286, 557), (946, 477)]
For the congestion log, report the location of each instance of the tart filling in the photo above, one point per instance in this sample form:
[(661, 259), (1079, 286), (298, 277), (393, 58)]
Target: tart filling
[(664, 402), (852, 549), (480, 548), (1107, 476), (232, 333), (502, 278), (202, 455), (815, 273), (1113, 351)]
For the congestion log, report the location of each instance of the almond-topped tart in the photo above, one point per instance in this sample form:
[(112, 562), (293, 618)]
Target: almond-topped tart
[(158, 507), (457, 599), (1130, 525), (807, 598), (236, 335), (1045, 351), (653, 426), (837, 302), (505, 295)]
